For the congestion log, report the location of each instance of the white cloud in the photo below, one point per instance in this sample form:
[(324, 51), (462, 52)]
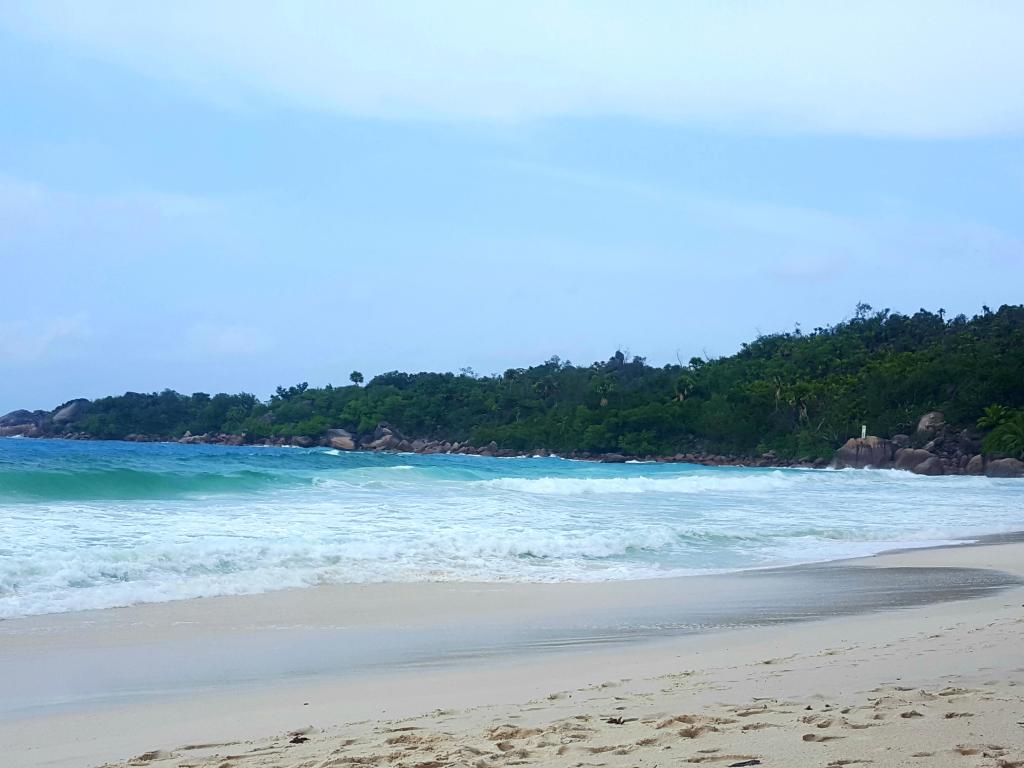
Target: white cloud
[(32, 210), (914, 68), (212, 340), (23, 341)]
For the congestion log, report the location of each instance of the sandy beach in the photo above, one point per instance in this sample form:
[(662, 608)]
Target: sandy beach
[(929, 678)]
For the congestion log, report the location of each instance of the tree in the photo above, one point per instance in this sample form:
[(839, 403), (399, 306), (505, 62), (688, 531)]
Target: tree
[(683, 387), (799, 395), (603, 386), (995, 416), (1008, 435)]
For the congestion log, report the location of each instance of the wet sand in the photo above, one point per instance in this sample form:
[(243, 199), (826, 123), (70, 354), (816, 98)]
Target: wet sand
[(158, 680)]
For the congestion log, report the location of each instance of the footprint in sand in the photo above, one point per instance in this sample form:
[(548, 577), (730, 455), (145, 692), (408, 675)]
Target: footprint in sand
[(737, 761), (147, 757), (508, 731), (985, 750), (859, 726), (696, 731), (759, 726)]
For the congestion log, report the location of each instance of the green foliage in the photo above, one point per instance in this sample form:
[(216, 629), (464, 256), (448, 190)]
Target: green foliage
[(995, 416), (356, 378), (1008, 436), (798, 394)]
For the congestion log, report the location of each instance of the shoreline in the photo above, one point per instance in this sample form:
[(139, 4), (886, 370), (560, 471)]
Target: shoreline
[(955, 542), (969, 540), (448, 448), (856, 453), (269, 704)]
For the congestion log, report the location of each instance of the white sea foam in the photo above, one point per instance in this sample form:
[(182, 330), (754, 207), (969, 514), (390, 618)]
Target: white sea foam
[(706, 482), (191, 521)]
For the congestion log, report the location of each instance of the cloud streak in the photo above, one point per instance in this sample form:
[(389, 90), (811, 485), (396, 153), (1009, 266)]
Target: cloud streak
[(219, 341), (31, 342), (911, 69)]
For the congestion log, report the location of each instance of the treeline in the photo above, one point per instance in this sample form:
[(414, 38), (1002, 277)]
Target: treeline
[(797, 394)]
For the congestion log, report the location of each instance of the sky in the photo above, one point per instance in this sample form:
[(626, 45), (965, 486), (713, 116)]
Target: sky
[(231, 196)]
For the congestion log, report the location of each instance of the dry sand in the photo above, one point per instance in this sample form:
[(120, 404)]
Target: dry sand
[(937, 685)]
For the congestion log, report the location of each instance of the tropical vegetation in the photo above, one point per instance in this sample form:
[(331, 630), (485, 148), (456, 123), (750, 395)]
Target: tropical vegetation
[(798, 394)]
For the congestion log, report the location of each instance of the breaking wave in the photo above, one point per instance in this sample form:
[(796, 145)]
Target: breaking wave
[(96, 525), (708, 481)]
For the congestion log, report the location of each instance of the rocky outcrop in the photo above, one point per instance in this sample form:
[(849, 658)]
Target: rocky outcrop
[(21, 418), (387, 442), (968, 442), (208, 438), (975, 465), (342, 443), (1005, 468), (341, 440), (934, 448), (929, 426), (864, 452), (933, 465), (70, 413), (24, 423), (908, 459)]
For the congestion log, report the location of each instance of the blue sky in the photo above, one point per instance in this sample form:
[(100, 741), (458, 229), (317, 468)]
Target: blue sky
[(206, 197)]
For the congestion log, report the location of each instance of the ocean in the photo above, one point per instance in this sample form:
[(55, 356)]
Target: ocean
[(86, 525)]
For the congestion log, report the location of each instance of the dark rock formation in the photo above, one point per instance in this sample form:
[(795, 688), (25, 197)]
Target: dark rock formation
[(340, 439), (975, 465), (930, 466), (929, 427), (863, 452), (1005, 468), (968, 442), (908, 458), (73, 411), (386, 442), (931, 423), (24, 423), (342, 443), (901, 441), (21, 418)]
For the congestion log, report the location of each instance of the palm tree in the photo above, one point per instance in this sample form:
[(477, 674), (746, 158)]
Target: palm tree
[(604, 387), (684, 386)]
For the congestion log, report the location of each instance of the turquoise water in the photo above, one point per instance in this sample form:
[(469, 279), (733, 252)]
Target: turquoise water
[(97, 524)]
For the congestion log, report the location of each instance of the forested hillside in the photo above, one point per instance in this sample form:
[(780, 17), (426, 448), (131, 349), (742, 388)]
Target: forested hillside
[(797, 394)]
